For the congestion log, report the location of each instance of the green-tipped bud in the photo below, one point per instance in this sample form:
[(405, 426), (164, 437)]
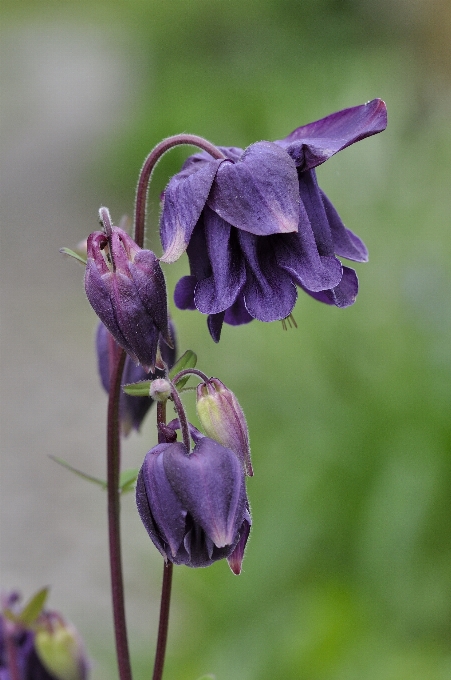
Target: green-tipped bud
[(223, 419), (59, 648), (160, 389)]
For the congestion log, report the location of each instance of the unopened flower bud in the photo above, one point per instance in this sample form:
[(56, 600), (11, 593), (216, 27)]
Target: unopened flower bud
[(223, 419), (160, 389), (125, 286), (59, 648)]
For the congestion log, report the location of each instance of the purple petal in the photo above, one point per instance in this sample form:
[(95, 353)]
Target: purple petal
[(184, 292), (98, 291), (313, 203), (214, 323), (312, 144), (298, 255), (210, 484), (237, 314), (184, 200), (342, 295), (269, 293), (235, 560), (346, 244), (150, 285), (258, 193), (219, 291), (197, 251), (167, 511)]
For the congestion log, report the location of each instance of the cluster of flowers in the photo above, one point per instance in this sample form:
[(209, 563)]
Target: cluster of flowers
[(256, 226), (38, 644)]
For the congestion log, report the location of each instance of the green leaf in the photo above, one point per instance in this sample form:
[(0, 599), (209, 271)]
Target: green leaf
[(139, 389), (127, 480), (187, 360), (207, 677), (72, 253), (84, 475), (34, 607)]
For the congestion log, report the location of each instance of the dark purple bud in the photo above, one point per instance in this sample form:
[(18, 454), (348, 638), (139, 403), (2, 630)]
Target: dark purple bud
[(223, 419), (132, 410), (126, 288), (193, 506)]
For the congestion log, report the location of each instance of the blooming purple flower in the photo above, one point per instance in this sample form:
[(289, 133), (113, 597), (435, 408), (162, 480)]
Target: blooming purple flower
[(194, 505), (132, 410), (125, 286), (256, 224)]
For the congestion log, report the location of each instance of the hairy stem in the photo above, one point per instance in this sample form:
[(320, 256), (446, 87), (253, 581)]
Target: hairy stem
[(148, 167), (113, 471), (182, 416), (190, 371)]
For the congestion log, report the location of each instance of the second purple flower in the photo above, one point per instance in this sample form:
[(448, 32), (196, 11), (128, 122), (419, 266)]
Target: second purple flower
[(256, 224)]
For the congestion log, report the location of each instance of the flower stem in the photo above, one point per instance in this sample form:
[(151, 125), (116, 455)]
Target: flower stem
[(182, 416), (113, 471), (164, 621), (190, 371), (148, 167)]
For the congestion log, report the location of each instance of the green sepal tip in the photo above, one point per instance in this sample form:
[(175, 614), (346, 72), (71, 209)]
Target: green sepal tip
[(139, 389), (33, 608), (72, 253), (127, 480), (187, 360)]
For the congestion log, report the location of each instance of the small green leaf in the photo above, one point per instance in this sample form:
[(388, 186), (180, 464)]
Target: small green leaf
[(90, 478), (72, 253), (187, 360), (139, 389), (127, 480), (34, 607)]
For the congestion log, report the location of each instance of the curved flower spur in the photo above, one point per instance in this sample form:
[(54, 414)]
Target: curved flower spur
[(256, 224)]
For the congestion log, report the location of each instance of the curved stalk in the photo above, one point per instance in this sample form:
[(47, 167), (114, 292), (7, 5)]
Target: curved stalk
[(148, 167)]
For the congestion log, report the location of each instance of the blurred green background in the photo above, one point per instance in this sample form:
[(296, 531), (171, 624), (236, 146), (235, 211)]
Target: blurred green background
[(347, 575)]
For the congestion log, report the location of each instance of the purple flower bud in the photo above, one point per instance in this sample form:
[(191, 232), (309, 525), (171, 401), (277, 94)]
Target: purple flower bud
[(223, 419), (194, 506), (132, 409), (125, 286)]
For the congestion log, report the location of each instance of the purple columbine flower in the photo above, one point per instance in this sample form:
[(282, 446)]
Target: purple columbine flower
[(125, 286), (256, 224), (194, 505), (132, 410)]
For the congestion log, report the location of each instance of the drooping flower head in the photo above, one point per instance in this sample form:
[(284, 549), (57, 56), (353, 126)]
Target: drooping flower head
[(194, 505), (132, 410), (256, 225), (125, 286)]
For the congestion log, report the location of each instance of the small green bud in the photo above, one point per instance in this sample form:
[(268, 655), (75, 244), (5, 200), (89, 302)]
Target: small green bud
[(223, 419), (59, 648)]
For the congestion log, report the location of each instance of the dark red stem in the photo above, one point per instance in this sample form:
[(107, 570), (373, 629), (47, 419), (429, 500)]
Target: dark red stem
[(190, 371), (148, 167), (113, 471), (164, 622)]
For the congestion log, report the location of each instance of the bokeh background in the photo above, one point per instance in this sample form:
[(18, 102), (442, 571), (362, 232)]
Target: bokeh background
[(348, 571)]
